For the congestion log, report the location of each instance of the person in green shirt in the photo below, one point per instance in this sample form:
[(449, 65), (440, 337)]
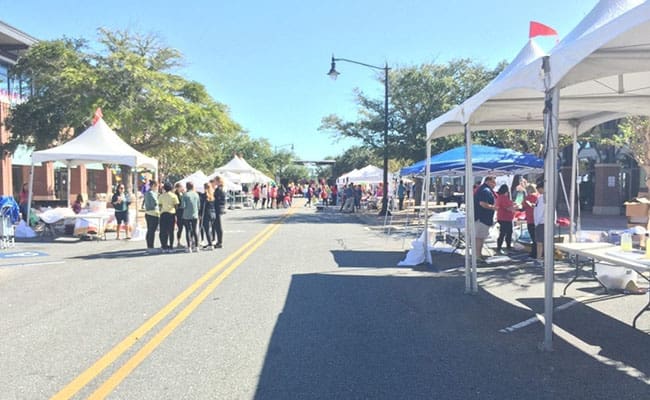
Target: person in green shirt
[(151, 213), (190, 205)]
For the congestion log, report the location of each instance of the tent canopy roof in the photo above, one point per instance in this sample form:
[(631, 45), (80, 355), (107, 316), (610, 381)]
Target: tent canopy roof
[(98, 143), (486, 160)]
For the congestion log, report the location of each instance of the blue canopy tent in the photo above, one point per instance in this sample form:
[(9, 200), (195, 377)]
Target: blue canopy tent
[(486, 160)]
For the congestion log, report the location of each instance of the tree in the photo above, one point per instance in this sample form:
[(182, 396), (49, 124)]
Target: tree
[(355, 157), (62, 81), (634, 134), (417, 95), (131, 77)]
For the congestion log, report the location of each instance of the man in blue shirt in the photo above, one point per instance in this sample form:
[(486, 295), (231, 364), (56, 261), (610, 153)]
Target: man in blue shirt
[(484, 208)]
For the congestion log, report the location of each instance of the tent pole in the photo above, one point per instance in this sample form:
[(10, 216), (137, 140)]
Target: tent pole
[(30, 195), (134, 177), (68, 188), (471, 286), (550, 197), (574, 177), (427, 179)]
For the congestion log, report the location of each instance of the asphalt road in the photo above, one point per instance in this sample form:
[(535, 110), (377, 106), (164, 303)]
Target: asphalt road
[(298, 305)]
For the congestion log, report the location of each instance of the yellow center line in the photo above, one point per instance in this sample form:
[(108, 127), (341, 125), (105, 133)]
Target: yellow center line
[(91, 373), (111, 383)]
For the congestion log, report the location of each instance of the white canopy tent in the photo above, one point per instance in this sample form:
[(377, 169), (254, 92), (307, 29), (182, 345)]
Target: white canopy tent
[(98, 143), (368, 174), (238, 171), (198, 178), (598, 72), (345, 178)]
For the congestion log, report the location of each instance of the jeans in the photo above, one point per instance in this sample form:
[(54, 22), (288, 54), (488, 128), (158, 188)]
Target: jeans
[(167, 230), (190, 233), (152, 225)]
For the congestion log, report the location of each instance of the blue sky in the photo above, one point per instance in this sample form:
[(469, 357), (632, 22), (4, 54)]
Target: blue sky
[(267, 60)]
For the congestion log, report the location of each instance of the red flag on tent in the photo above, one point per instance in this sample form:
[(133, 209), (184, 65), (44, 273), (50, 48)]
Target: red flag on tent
[(537, 29), (98, 115)]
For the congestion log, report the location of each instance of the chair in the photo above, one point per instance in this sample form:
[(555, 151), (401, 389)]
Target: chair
[(7, 230)]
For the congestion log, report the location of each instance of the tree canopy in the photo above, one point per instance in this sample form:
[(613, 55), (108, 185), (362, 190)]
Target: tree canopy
[(132, 77), (416, 96)]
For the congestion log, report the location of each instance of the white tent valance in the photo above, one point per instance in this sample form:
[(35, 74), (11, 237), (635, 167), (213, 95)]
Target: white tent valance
[(99, 143)]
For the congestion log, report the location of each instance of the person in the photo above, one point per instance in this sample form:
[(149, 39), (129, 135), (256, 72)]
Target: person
[(273, 194), (167, 203), (78, 204), (265, 194), (179, 190), (529, 208), (190, 206), (447, 194), (358, 193), (23, 199), (208, 214), (518, 190), (151, 213), (220, 209), (401, 192), (309, 195), (348, 195), (324, 195), (484, 204), (256, 195), (121, 201), (505, 214), (539, 214)]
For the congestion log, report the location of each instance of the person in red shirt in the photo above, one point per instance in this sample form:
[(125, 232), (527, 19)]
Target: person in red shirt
[(256, 195), (529, 206), (505, 214)]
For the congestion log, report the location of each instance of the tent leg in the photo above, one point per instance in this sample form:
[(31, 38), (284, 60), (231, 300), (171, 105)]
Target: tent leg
[(471, 284), (550, 196), (427, 185), (68, 187), (30, 194), (574, 177)]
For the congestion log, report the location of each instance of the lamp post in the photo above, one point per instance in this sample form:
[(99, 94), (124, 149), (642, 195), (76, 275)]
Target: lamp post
[(334, 74)]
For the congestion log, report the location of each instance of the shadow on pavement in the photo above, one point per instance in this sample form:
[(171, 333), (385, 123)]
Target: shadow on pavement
[(350, 337), (390, 259), (617, 340)]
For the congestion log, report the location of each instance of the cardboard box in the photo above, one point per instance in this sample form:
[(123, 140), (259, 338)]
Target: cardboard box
[(641, 221), (636, 209)]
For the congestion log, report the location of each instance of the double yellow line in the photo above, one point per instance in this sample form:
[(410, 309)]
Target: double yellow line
[(112, 355)]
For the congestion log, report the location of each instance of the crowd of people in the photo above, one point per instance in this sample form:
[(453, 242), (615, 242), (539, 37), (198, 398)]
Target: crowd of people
[(503, 204), (181, 208)]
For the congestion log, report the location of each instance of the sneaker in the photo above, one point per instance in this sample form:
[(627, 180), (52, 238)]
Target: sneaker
[(188, 250), (218, 246)]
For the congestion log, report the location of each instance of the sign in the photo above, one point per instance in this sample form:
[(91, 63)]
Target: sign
[(22, 254)]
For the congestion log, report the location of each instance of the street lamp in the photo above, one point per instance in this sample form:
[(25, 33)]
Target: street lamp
[(334, 74)]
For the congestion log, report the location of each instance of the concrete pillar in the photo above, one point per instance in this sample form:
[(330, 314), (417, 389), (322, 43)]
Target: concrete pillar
[(607, 191), (78, 182), (104, 182), (44, 182), (6, 179)]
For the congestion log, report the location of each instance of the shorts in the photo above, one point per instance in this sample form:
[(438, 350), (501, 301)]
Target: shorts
[(539, 233), (122, 216), (482, 230)]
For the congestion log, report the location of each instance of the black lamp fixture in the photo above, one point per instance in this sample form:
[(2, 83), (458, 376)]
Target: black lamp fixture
[(333, 73)]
